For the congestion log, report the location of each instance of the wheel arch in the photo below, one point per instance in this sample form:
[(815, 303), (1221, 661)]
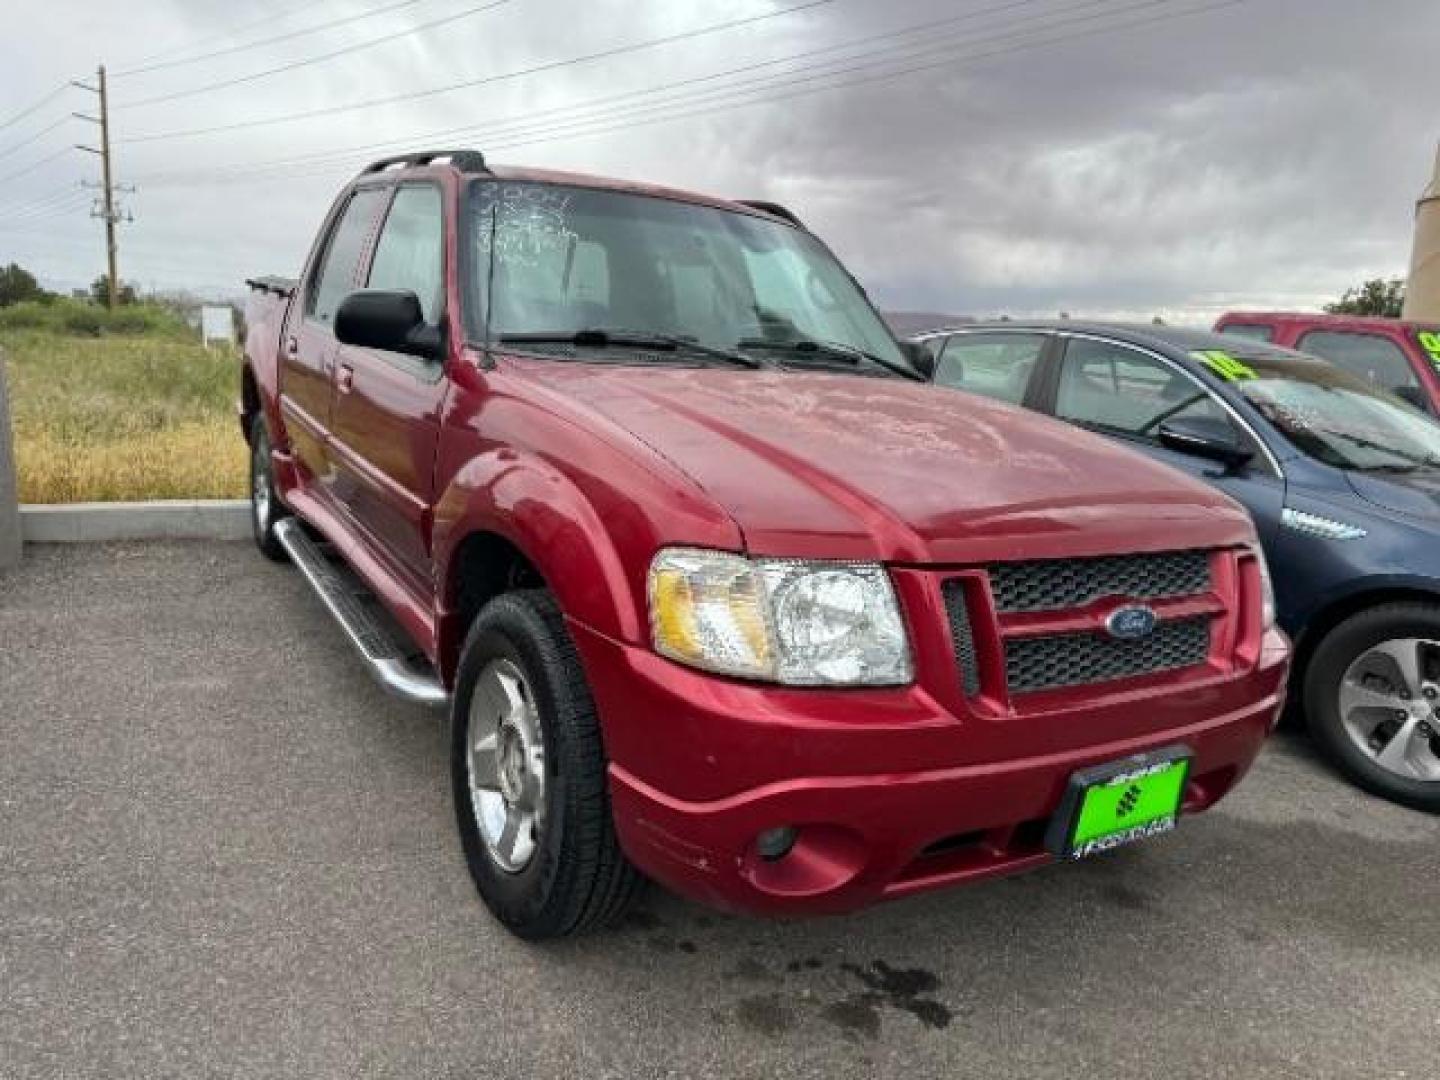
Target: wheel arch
[(1367, 594), (512, 522)]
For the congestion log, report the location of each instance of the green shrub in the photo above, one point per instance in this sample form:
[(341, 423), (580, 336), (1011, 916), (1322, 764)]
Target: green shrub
[(83, 319), (76, 318)]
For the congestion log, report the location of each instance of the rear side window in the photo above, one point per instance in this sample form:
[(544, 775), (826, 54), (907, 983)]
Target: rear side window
[(1249, 331), (996, 365), (1118, 389), (335, 278), (1377, 360), (410, 254)]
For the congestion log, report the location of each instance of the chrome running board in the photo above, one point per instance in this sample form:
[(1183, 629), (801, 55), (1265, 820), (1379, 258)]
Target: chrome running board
[(386, 658)]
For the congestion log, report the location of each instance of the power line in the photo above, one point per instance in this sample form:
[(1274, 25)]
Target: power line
[(38, 204), (413, 139), (484, 80), (886, 76), (34, 165), (34, 136), (271, 17), (23, 113), (275, 39), (521, 130), (61, 203), (318, 59)]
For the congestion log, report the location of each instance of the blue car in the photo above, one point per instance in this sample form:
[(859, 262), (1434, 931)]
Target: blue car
[(1342, 479)]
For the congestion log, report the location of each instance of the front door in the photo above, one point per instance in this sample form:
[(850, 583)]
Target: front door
[(307, 344), (1126, 393), (386, 415)]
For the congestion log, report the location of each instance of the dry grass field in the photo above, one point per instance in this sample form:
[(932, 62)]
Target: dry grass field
[(137, 412)]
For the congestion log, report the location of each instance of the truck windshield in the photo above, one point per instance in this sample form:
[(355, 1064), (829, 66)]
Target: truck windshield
[(562, 259), (1331, 415)]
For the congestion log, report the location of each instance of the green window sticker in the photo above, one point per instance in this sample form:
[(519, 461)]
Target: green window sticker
[(1430, 342), (1223, 364)]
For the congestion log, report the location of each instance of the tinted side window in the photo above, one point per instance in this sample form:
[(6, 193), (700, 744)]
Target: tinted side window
[(1122, 390), (1250, 331), (335, 277), (1370, 356), (996, 365), (410, 254)]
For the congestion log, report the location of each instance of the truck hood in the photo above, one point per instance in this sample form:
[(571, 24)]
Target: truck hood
[(877, 468)]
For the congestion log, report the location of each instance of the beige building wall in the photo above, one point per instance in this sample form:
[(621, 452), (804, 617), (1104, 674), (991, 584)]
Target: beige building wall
[(1422, 290)]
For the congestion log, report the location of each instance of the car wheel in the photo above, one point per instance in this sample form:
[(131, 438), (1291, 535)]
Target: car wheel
[(266, 509), (1372, 701), (528, 771)]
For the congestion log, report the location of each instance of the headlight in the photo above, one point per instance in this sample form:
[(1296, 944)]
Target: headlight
[(785, 620), (1267, 588)]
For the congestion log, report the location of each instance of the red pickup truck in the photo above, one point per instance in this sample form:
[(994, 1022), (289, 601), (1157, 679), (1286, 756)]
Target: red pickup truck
[(717, 592), (1392, 354)]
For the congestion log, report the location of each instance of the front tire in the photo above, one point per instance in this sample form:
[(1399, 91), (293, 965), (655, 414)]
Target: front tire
[(266, 509), (1372, 701), (528, 773)]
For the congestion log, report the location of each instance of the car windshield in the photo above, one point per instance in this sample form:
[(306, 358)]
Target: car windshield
[(570, 259), (1329, 414)]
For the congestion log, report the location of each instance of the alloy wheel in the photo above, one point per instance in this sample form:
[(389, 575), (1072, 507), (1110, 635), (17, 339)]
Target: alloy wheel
[(506, 765), (1390, 706)]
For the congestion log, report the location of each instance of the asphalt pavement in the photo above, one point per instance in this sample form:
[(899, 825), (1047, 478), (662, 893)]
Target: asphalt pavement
[(223, 852)]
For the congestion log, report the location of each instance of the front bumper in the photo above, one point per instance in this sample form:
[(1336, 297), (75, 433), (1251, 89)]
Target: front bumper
[(891, 792)]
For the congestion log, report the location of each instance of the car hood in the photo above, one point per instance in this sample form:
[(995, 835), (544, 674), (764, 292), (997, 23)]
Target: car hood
[(1414, 494), (858, 467)]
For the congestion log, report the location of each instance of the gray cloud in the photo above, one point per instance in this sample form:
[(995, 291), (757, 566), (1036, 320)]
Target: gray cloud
[(1265, 153)]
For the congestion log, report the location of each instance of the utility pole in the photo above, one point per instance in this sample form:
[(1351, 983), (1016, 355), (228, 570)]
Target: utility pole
[(107, 209)]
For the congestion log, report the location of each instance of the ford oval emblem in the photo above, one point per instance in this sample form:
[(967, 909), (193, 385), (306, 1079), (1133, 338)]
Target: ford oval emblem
[(1131, 623)]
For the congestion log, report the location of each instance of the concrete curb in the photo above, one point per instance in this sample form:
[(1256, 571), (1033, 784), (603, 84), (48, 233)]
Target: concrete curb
[(10, 528), (95, 523)]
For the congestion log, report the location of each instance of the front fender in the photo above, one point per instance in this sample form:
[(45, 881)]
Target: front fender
[(1350, 595), (540, 511)]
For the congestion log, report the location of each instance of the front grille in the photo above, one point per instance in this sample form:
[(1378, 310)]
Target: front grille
[(1043, 663), (1051, 584)]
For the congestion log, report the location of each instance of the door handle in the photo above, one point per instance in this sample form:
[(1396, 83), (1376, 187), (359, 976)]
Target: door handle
[(345, 378), (292, 347)]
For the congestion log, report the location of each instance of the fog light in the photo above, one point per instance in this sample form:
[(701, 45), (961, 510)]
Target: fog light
[(775, 844)]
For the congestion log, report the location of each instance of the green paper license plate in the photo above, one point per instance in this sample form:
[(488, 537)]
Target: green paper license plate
[(1107, 806)]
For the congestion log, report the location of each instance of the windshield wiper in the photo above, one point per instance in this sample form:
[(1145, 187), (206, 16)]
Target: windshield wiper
[(600, 338), (1410, 462), (832, 350)]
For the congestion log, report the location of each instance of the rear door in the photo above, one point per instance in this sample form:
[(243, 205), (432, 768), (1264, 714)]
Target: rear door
[(999, 364), (1127, 393), (307, 342), (387, 405)]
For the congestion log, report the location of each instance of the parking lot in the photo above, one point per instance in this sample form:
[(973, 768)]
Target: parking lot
[(224, 852)]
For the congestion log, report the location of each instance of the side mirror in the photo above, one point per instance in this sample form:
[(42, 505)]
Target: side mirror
[(920, 357), (1206, 437), (392, 321)]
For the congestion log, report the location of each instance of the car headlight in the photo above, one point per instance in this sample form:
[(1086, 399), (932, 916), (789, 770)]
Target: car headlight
[(1267, 588), (785, 620)]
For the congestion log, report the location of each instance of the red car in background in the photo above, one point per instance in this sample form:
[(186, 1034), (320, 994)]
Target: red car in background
[(1395, 355)]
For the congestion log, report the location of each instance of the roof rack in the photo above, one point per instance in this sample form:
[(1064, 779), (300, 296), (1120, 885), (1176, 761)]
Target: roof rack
[(468, 161), (784, 213)]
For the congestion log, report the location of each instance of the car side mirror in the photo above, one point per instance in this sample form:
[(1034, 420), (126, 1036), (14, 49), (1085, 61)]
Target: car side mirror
[(1206, 437), (920, 357), (388, 320)]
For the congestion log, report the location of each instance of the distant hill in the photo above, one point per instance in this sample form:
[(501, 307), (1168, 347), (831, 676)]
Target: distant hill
[(905, 323)]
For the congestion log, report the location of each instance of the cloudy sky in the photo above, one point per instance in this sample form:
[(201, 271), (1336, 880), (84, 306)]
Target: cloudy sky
[(1107, 157)]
